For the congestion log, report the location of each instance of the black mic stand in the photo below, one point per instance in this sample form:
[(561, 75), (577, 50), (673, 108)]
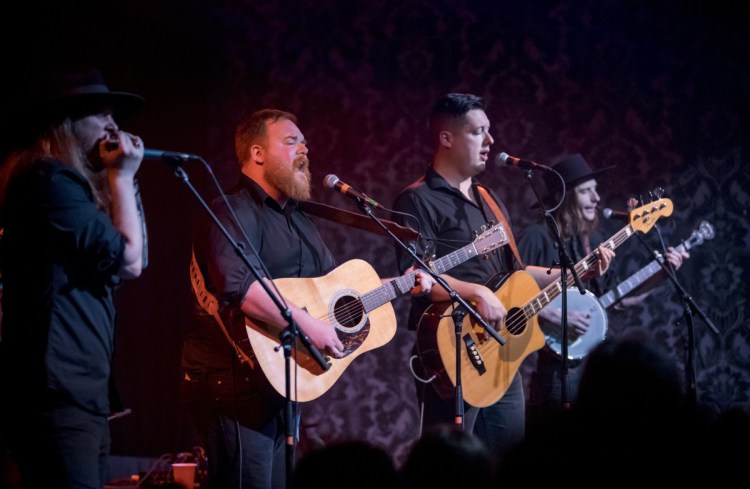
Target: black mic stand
[(287, 336), (458, 313), (689, 308), (565, 264)]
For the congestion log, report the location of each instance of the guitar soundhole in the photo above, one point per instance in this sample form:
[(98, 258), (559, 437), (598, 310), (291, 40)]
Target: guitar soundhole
[(352, 326), (348, 311), (515, 321)]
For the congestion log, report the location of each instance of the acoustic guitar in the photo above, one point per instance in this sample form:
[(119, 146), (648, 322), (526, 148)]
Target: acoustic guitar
[(353, 299), (487, 367)]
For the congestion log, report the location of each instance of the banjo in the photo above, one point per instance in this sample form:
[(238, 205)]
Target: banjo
[(597, 307)]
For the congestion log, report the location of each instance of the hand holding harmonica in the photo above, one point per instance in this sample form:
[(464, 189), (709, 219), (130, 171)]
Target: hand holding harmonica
[(121, 150), (114, 140)]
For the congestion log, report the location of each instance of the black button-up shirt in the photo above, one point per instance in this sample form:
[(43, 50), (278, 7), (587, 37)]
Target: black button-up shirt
[(287, 244), (447, 221)]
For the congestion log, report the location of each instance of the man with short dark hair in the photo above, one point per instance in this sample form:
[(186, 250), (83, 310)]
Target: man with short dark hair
[(450, 206)]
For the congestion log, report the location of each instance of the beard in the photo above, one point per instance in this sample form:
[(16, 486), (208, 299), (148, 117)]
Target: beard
[(294, 182)]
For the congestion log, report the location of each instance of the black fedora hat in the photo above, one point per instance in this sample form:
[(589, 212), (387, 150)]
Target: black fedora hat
[(573, 169), (73, 89)]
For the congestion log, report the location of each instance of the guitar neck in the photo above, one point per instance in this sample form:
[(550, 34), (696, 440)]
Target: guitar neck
[(554, 289), (403, 284)]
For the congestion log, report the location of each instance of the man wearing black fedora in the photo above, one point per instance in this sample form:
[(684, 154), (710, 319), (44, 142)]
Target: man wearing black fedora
[(578, 219), (73, 230)]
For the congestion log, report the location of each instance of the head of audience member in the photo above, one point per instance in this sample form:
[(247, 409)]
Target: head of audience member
[(460, 129), (631, 376), (447, 456), (272, 151), (629, 419), (347, 463), (578, 212)]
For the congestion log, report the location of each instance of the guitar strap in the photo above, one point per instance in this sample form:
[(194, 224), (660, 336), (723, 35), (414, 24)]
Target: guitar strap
[(210, 304), (501, 219), (359, 221)]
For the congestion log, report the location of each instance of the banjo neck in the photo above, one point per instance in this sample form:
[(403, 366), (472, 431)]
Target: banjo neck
[(704, 232)]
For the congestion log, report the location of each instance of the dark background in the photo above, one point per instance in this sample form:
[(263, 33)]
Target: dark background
[(659, 89)]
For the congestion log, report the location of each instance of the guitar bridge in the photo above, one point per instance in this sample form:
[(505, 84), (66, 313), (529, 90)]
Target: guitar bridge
[(473, 352)]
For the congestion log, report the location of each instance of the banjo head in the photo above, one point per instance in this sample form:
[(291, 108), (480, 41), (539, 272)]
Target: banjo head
[(581, 346)]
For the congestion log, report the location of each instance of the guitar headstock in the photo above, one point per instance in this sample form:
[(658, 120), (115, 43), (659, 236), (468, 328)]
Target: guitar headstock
[(494, 237), (643, 218)]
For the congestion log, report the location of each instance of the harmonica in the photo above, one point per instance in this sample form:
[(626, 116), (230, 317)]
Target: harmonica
[(112, 142)]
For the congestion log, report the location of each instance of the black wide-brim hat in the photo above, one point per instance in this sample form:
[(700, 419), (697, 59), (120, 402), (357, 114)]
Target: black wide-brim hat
[(574, 170), (72, 91)]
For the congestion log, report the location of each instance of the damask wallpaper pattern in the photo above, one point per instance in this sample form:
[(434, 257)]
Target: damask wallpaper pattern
[(658, 89)]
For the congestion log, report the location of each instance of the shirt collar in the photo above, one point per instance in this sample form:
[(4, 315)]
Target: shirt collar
[(261, 196), (435, 181)]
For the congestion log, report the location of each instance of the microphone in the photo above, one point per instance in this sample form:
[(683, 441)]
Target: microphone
[(157, 154), (612, 214), (332, 181), (504, 159)]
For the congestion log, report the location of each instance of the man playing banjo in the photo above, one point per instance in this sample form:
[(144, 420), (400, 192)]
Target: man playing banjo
[(578, 219)]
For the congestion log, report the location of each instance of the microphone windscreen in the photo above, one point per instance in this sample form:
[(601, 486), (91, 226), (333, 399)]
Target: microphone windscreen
[(330, 180), (501, 159)]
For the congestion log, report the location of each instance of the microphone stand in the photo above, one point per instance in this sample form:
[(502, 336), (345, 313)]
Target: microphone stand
[(287, 336), (689, 309), (457, 315), (565, 264)]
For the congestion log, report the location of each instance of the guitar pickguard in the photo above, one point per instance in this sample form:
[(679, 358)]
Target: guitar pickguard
[(350, 320)]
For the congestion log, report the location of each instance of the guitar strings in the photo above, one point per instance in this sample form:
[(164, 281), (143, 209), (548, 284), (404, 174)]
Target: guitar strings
[(517, 322), (356, 309), (345, 313)]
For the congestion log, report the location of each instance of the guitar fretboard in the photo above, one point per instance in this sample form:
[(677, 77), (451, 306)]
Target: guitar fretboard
[(554, 289), (645, 273), (387, 292)]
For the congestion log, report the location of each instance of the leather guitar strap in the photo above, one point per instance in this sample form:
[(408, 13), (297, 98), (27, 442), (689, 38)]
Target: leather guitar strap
[(501, 219), (209, 304)]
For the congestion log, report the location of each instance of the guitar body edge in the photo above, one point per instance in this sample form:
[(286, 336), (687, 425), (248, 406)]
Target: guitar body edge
[(481, 387), (308, 380)]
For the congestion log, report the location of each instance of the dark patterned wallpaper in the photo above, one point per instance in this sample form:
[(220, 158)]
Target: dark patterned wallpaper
[(659, 89)]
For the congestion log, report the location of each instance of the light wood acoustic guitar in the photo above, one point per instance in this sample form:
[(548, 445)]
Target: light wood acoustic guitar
[(355, 301), (487, 367)]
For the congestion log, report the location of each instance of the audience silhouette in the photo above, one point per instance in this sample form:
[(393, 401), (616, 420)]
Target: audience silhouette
[(631, 423), (346, 463), (631, 418), (448, 457)]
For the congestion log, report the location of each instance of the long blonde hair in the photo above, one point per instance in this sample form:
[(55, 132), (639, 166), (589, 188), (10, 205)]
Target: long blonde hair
[(57, 142)]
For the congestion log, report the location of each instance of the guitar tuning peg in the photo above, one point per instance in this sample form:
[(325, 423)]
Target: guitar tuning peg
[(490, 223), (658, 192)]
